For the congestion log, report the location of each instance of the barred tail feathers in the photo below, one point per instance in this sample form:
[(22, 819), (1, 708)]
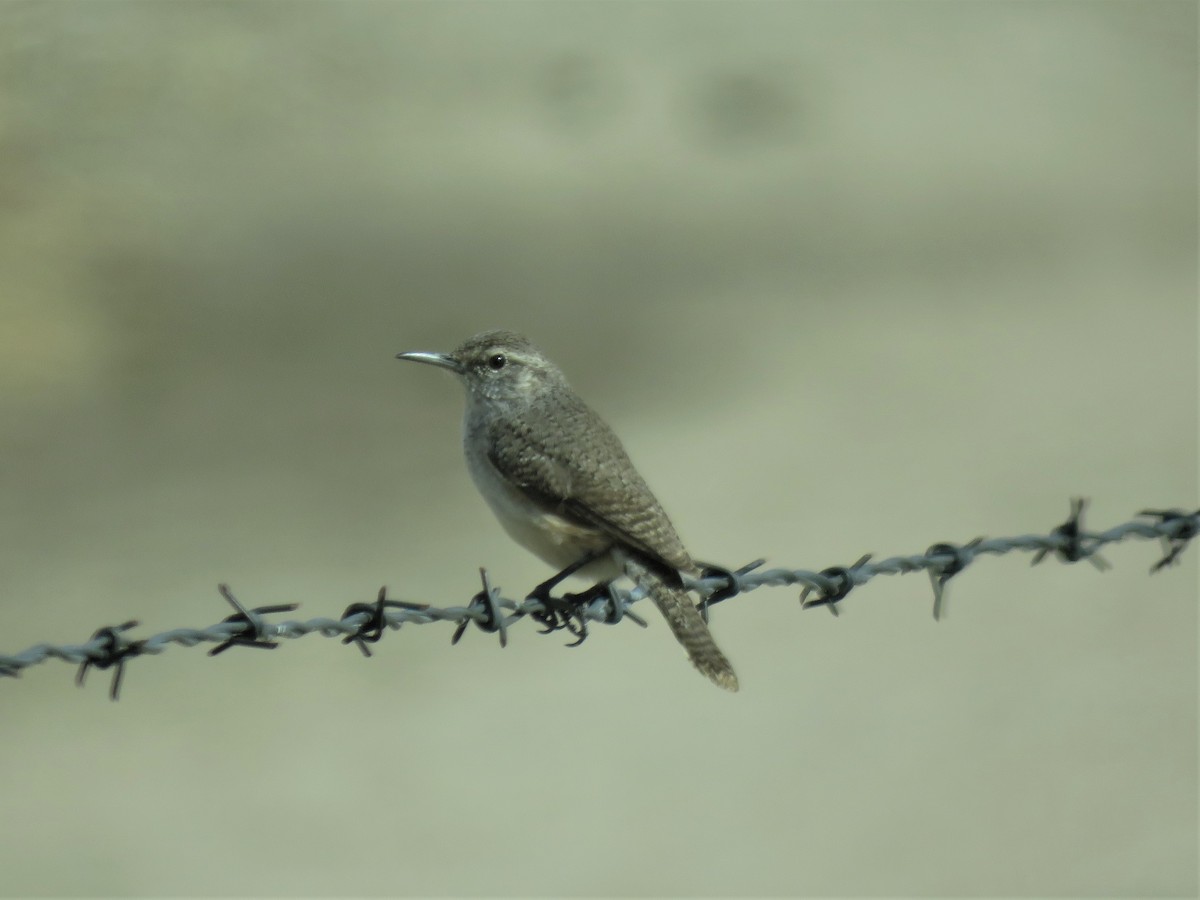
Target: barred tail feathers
[(686, 624)]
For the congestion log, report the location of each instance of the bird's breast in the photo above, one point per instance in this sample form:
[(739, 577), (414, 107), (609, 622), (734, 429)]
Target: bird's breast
[(548, 535)]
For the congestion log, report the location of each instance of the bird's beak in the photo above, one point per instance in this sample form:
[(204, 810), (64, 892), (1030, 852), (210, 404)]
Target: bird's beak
[(445, 360)]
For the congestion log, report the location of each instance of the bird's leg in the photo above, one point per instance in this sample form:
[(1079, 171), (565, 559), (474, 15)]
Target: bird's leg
[(564, 612), (542, 591)]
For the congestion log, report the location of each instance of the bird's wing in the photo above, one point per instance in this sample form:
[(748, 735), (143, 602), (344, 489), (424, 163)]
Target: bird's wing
[(578, 469)]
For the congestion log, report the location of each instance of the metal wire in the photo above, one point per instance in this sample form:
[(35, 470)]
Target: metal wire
[(365, 623)]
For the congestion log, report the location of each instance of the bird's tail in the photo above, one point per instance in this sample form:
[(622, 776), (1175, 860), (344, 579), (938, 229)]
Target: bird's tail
[(686, 624)]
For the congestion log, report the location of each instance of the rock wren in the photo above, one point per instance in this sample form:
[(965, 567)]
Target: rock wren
[(562, 485)]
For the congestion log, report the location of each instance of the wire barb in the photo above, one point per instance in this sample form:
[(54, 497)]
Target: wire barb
[(113, 652), (616, 608), (370, 629), (1174, 544), (1071, 534), (365, 623), (960, 558), (839, 581), (487, 604), (254, 630), (732, 586)]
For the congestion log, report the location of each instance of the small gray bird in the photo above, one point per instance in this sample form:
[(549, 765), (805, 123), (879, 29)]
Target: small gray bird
[(562, 485)]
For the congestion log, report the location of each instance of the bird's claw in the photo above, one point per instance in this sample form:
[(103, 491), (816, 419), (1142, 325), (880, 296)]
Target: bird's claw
[(561, 612), (566, 611)]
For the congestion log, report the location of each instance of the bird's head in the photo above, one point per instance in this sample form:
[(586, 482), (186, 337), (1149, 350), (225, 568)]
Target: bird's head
[(497, 366)]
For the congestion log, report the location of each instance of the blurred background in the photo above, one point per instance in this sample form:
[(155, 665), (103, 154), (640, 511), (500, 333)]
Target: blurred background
[(845, 277)]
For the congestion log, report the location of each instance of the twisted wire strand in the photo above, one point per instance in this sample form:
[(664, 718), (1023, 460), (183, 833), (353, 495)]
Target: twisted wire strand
[(364, 623)]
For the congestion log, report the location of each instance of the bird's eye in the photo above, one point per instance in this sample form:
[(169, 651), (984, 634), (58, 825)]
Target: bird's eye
[(497, 362)]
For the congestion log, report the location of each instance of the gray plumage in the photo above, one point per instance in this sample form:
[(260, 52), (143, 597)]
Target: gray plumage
[(561, 484)]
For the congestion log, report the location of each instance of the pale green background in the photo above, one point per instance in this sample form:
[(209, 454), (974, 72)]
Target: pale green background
[(846, 277)]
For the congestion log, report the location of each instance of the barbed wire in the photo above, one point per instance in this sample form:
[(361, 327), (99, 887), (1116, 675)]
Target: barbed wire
[(366, 623)]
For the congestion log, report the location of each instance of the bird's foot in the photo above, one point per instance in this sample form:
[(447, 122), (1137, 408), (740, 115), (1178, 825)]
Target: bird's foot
[(566, 611)]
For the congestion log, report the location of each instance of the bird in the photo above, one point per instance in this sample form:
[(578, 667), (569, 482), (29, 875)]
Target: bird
[(562, 485)]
